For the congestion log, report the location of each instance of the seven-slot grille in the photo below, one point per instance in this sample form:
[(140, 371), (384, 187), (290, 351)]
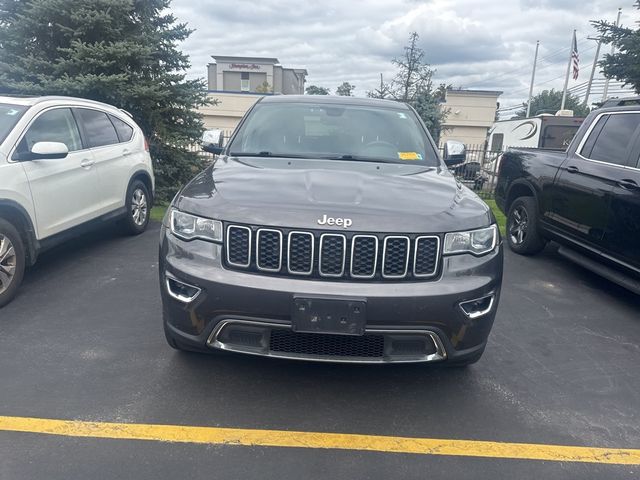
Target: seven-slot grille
[(332, 255)]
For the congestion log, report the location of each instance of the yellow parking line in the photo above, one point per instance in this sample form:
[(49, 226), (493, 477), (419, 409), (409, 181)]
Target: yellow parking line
[(281, 438)]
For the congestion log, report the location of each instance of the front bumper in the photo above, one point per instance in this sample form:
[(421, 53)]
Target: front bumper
[(240, 311)]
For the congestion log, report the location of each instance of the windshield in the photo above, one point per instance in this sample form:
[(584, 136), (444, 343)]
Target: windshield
[(9, 116), (346, 132)]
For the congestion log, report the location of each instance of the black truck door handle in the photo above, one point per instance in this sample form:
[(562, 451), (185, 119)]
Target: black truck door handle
[(628, 184), (573, 169)]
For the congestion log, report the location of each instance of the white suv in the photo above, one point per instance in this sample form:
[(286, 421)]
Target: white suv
[(66, 164)]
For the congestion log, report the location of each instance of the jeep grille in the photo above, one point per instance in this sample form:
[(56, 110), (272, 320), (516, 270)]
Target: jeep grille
[(329, 255)]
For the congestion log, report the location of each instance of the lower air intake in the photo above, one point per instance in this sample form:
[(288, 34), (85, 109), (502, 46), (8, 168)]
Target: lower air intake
[(367, 346)]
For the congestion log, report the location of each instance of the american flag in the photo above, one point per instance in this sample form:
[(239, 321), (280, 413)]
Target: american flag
[(575, 59)]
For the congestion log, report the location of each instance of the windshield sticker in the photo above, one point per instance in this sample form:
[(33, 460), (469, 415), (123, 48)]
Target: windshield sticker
[(409, 156), (401, 115), (13, 111)]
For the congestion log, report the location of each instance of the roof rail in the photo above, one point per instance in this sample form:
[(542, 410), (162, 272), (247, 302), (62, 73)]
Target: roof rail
[(621, 102)]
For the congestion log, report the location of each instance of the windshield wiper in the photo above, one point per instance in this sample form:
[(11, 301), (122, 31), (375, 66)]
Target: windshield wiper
[(265, 153), (359, 158)]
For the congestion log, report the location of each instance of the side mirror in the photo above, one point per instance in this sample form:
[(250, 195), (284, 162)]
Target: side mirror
[(48, 151), (455, 153), (212, 141), (212, 149)]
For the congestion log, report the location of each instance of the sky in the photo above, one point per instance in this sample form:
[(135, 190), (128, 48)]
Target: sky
[(478, 44)]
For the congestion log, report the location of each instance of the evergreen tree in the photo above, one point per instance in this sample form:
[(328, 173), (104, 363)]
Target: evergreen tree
[(624, 65), (381, 92), (122, 52)]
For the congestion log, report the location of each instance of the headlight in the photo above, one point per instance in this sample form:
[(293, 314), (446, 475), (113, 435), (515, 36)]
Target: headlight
[(477, 242), (188, 227)]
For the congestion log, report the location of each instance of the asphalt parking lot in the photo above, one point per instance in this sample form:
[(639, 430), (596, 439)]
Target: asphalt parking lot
[(83, 341)]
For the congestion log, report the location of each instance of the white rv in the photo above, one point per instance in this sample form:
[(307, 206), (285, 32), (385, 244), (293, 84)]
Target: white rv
[(543, 131)]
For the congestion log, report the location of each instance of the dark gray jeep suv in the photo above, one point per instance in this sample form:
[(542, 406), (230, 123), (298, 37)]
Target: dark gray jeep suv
[(329, 229)]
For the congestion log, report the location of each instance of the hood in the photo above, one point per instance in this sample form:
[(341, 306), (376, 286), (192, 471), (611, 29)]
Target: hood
[(376, 197)]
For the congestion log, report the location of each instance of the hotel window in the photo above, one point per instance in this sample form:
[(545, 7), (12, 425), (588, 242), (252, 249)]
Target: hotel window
[(244, 81)]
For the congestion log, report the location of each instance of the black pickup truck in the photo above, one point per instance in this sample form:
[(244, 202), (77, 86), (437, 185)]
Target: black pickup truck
[(586, 198)]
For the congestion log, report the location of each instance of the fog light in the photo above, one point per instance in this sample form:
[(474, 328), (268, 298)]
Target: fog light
[(183, 292), (477, 307)]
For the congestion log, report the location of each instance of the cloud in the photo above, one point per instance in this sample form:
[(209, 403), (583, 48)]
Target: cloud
[(485, 44)]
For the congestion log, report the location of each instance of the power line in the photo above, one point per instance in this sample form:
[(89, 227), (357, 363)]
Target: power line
[(546, 81), (519, 69)]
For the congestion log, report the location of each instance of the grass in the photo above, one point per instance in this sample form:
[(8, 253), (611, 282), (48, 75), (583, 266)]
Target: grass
[(157, 212), (501, 219)]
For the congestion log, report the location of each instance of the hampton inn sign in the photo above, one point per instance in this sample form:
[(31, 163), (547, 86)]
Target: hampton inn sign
[(254, 75), (244, 66)]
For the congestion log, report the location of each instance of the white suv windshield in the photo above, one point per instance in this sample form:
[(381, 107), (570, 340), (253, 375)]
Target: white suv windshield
[(346, 132), (9, 116)]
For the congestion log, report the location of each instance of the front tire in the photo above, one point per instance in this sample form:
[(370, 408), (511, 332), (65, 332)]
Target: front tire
[(12, 262), (523, 234), (138, 207)]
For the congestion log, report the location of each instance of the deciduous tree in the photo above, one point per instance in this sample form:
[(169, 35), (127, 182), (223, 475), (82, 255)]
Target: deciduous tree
[(549, 101), (413, 84), (345, 90)]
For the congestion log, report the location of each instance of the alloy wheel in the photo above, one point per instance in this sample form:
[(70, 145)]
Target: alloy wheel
[(139, 207), (518, 225), (7, 263)]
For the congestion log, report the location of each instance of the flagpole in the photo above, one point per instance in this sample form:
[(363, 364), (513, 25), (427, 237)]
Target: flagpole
[(566, 78), (613, 50), (593, 69), (533, 76)]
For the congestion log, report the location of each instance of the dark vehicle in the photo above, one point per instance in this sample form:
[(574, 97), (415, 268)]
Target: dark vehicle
[(329, 229), (586, 198)]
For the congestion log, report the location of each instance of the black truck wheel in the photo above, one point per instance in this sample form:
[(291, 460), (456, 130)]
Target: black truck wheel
[(523, 234)]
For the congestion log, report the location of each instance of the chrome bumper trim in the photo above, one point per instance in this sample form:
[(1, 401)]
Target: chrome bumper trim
[(478, 313), (214, 342)]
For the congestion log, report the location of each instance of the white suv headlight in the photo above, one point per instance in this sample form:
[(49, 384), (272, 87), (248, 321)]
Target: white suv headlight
[(189, 227), (477, 242)]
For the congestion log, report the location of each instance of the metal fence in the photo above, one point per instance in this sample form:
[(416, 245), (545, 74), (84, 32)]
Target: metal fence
[(479, 171), (206, 156), (197, 148)]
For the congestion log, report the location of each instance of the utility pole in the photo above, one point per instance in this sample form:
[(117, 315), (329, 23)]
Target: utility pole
[(613, 48), (533, 77), (593, 69), (566, 78)]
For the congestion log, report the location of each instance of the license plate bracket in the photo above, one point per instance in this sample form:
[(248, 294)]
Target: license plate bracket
[(331, 315)]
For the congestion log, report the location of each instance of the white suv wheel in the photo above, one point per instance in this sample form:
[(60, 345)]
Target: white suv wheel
[(7, 263), (139, 207)]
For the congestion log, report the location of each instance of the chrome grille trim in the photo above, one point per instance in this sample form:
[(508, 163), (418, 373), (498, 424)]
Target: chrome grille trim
[(264, 269), (415, 256), (384, 255), (344, 254), (375, 258), (313, 241), (303, 247), (242, 265)]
